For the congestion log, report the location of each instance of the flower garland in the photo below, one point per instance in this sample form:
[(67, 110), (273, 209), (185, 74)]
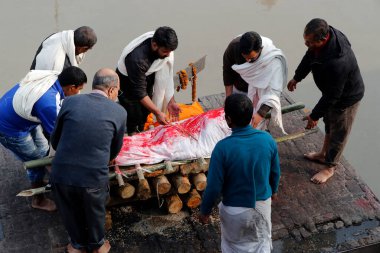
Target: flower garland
[(194, 82), (184, 81)]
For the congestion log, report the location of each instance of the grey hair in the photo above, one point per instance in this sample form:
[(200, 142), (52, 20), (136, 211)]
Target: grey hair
[(105, 82)]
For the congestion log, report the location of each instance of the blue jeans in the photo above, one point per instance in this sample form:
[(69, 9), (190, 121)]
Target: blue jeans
[(30, 147)]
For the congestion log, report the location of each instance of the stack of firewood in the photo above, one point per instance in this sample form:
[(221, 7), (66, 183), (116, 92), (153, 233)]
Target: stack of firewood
[(177, 185)]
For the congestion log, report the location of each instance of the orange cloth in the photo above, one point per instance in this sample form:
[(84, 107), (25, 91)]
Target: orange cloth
[(188, 111)]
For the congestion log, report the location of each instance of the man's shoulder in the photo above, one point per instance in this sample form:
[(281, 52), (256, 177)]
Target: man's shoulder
[(234, 44), (140, 52)]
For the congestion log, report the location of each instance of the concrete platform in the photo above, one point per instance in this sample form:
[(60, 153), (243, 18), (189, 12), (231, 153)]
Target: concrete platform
[(340, 215)]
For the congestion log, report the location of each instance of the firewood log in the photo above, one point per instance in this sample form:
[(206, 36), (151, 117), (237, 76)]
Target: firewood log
[(125, 190), (181, 183), (200, 181), (188, 168), (161, 184), (143, 189), (193, 199), (174, 203)]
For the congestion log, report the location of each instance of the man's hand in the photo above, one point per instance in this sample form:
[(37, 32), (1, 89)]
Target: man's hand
[(173, 110), (292, 85), (112, 162), (256, 119), (310, 122), (161, 118), (204, 219), (274, 196)]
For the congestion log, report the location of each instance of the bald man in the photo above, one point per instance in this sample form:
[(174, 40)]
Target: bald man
[(87, 136)]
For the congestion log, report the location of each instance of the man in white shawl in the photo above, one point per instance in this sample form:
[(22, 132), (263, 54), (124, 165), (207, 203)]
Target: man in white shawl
[(145, 69), (64, 49), (30, 107), (252, 65)]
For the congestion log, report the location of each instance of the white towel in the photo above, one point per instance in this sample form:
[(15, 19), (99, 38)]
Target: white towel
[(163, 89), (54, 51), (32, 87)]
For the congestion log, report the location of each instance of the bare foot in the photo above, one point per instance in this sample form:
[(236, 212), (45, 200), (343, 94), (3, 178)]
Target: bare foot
[(44, 203), (322, 176), (71, 249), (104, 249), (315, 157)]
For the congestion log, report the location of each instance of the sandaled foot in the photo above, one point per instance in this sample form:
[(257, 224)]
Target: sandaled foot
[(105, 248), (322, 176), (315, 157), (71, 249), (44, 204)]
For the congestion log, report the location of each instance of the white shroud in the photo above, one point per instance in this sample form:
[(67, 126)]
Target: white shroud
[(173, 142)]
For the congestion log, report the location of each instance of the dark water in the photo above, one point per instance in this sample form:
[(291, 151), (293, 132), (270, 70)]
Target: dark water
[(206, 27)]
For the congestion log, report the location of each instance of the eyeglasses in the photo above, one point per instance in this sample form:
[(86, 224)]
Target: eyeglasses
[(119, 93)]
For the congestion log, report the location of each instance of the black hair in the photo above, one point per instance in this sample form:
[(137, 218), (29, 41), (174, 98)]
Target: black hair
[(250, 41), (166, 37), (318, 28), (239, 108), (84, 36), (72, 76)]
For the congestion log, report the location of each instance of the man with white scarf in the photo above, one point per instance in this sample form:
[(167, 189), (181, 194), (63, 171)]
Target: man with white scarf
[(64, 49), (26, 109), (145, 69), (252, 65)]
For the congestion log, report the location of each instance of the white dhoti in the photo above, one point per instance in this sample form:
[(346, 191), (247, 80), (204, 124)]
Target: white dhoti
[(246, 229)]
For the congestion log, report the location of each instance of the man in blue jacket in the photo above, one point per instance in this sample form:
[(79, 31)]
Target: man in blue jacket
[(245, 170), (28, 111), (87, 136), (337, 75)]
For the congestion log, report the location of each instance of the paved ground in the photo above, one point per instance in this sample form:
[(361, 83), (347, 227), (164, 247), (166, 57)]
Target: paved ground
[(340, 215)]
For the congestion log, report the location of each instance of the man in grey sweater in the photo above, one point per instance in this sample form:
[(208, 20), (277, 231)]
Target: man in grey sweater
[(88, 134)]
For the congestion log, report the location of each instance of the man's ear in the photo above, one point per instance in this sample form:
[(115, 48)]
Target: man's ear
[(154, 46), (228, 119)]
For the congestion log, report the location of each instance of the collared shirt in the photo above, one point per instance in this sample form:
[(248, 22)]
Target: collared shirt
[(99, 92)]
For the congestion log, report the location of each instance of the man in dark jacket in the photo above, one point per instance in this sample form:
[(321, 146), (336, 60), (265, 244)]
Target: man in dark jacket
[(88, 134), (337, 75)]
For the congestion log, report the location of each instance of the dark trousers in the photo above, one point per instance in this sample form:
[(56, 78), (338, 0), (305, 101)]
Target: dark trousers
[(83, 213), (338, 124), (136, 115)]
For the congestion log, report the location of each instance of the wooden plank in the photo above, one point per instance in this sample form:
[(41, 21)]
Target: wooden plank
[(199, 65)]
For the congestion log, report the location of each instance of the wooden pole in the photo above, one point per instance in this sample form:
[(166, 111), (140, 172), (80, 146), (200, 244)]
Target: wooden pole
[(193, 199), (161, 184), (125, 190), (288, 108), (200, 181), (174, 203), (181, 183), (143, 189)]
